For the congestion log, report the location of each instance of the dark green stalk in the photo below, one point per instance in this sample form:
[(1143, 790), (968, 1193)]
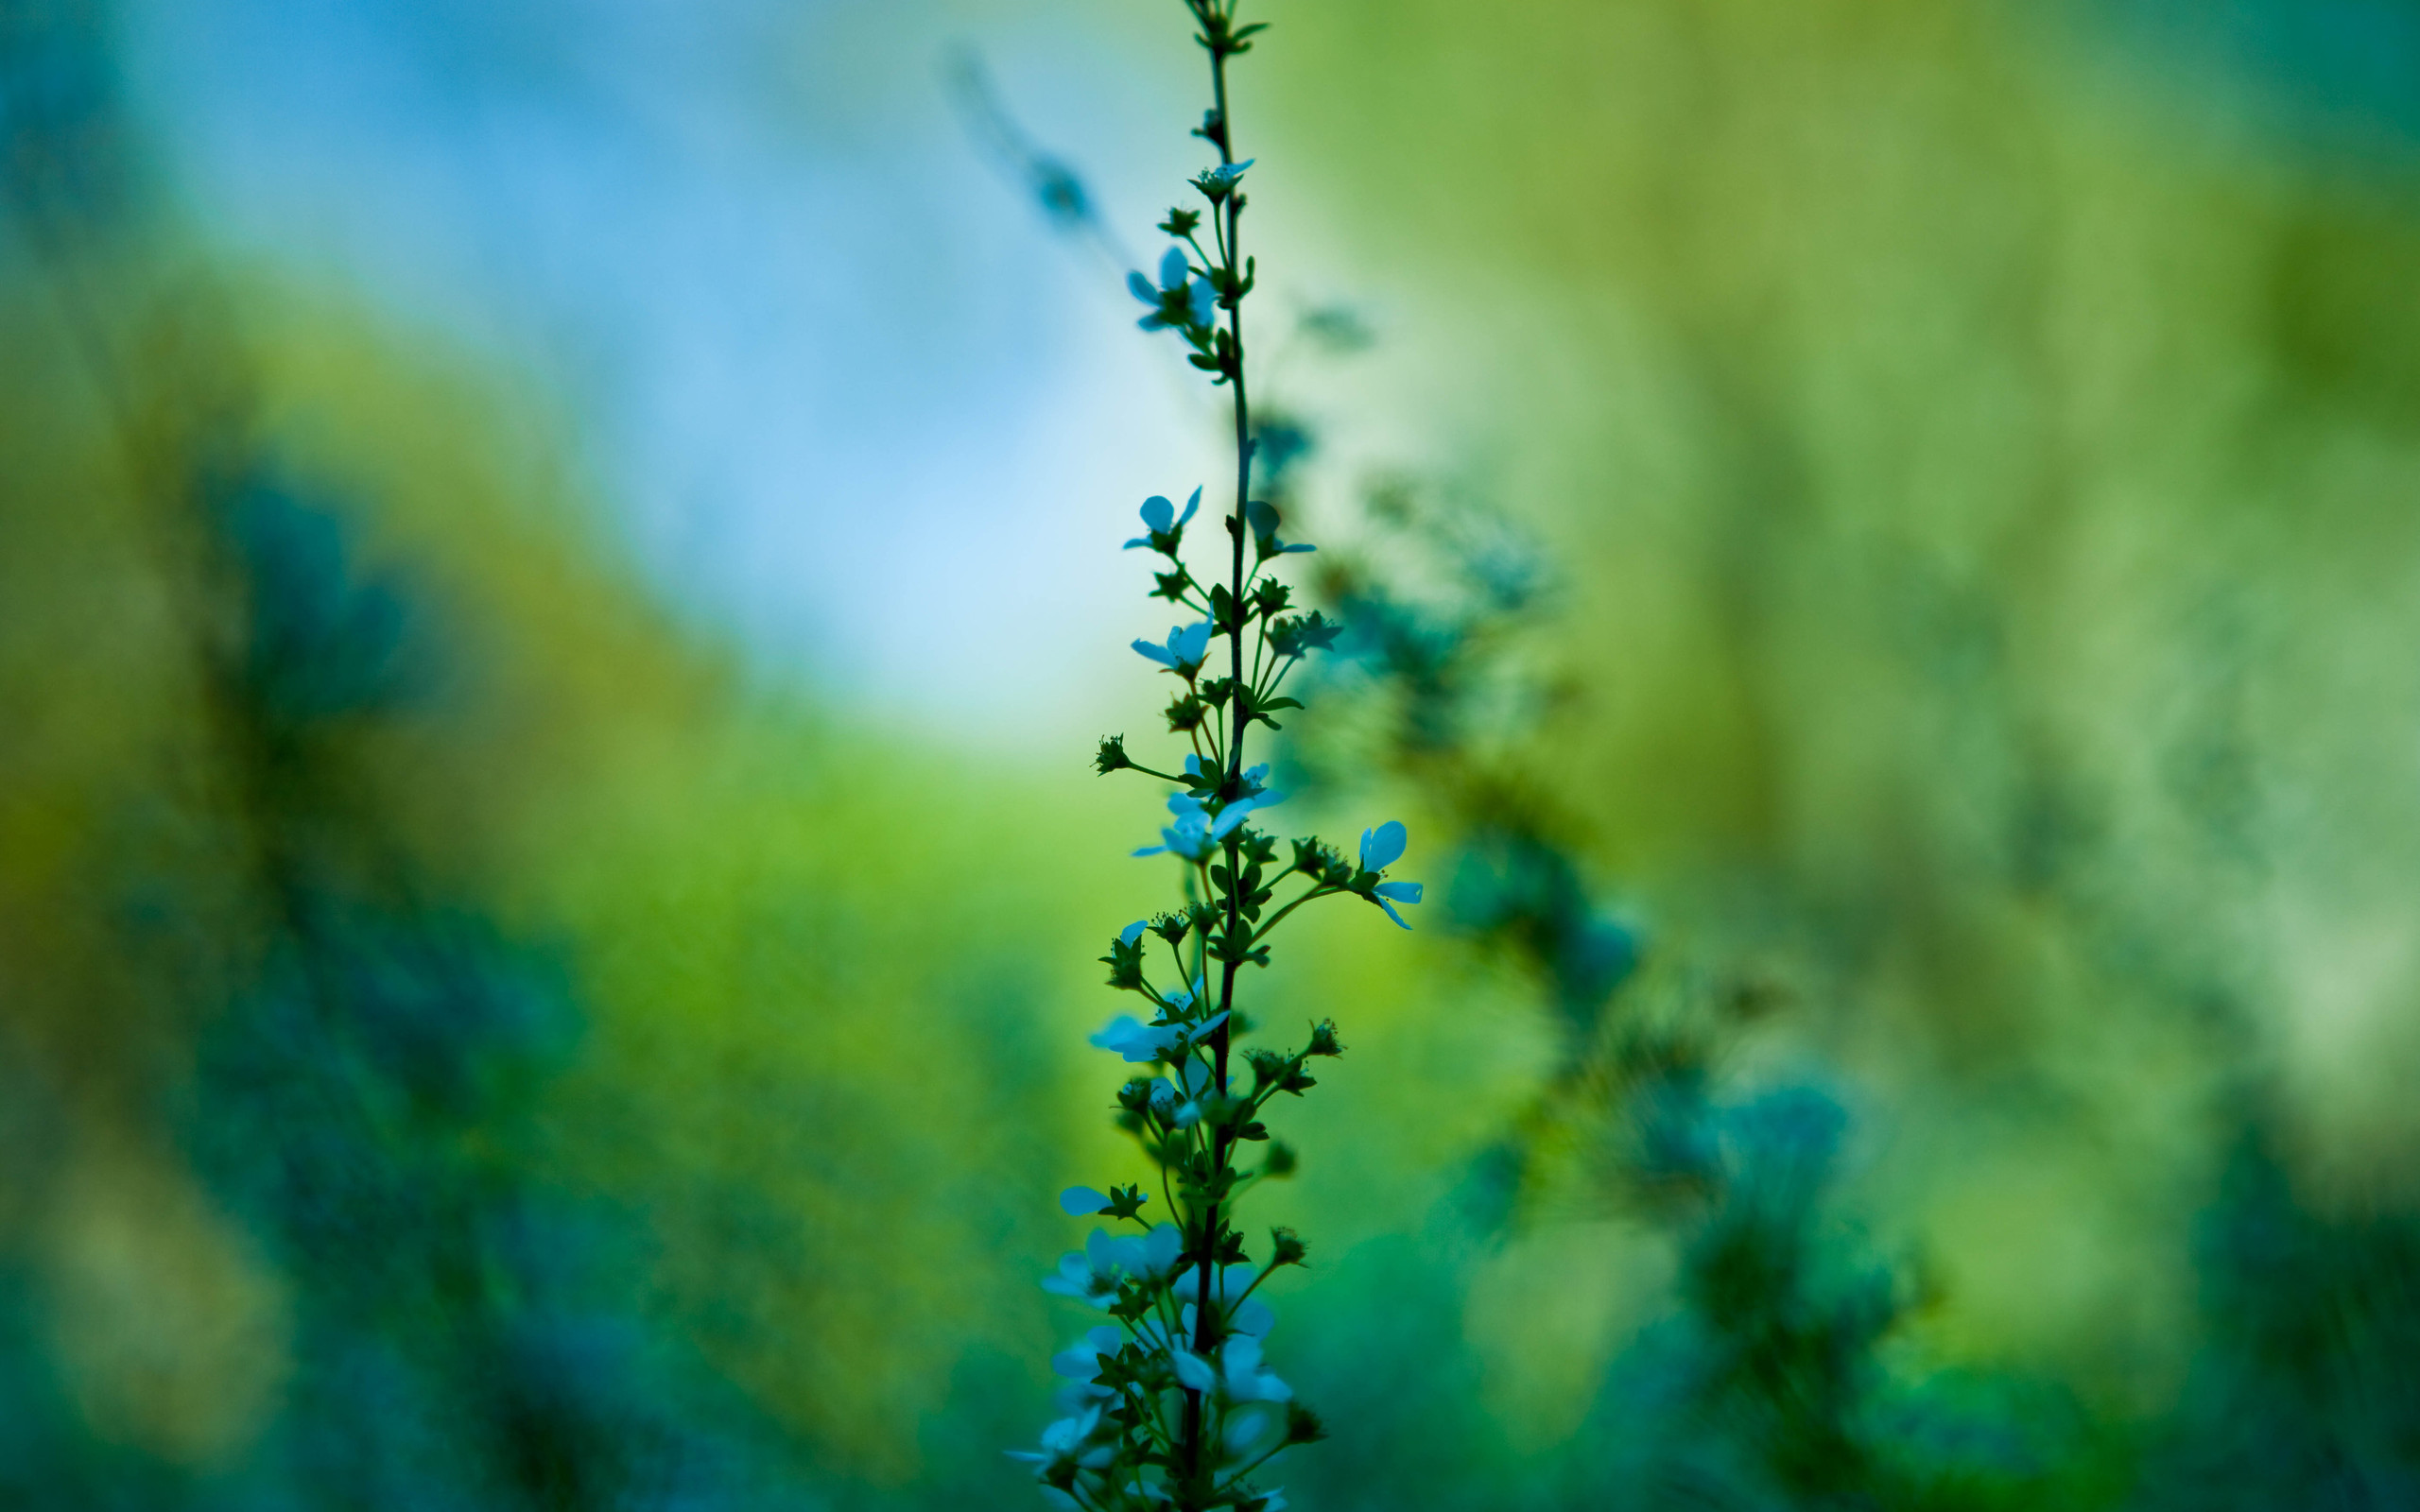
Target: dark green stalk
[(1205, 1312)]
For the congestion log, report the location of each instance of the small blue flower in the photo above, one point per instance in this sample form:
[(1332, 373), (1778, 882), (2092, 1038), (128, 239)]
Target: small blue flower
[(1136, 1041), (1183, 651), (1220, 181), (1178, 294), (1195, 833), (1133, 932), (1189, 835), (1161, 519), (1089, 1275), (1082, 1362), (1061, 1442), (1380, 848), (1244, 1376)]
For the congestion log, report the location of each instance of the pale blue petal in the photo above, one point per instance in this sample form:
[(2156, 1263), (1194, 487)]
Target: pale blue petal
[(1383, 847), (1391, 913), (1076, 1364), (1158, 513), (1082, 1202), (1142, 289), (1190, 505), (1402, 892), (1134, 931), (1241, 1356), (1191, 1371), (1173, 269), (1153, 653), (1162, 1245)]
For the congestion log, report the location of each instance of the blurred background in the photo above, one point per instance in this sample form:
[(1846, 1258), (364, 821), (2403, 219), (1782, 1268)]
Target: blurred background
[(559, 579)]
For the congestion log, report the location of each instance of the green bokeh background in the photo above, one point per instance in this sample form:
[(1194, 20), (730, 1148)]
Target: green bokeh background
[(474, 1038)]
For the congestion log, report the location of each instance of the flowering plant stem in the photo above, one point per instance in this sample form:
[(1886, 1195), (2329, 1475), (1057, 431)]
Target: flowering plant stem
[(1173, 1406), (1216, 43)]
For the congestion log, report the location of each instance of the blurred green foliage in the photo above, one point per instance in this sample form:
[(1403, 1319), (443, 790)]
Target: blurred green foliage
[(1929, 739)]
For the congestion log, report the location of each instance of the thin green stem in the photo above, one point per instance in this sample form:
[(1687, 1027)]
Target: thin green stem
[(1319, 889)]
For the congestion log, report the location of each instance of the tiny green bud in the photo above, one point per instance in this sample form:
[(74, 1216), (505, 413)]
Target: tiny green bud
[(1286, 1247), (1112, 756), (1303, 1426), (1125, 963), (1324, 1041), (1281, 1160)]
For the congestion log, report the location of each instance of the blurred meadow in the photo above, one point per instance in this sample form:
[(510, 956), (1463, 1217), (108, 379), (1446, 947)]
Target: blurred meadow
[(559, 579)]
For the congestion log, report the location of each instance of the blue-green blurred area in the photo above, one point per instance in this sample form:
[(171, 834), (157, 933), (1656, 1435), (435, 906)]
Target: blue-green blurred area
[(558, 577)]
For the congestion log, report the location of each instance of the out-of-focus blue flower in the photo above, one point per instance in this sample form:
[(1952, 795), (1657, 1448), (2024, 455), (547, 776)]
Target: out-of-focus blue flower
[(1230, 1281), (1188, 835), (1082, 1362), (1138, 1042), (1183, 649), (1161, 519), (1135, 1041), (1152, 1255), (1243, 1375), (1199, 299), (1192, 1371), (1062, 1443), (1091, 1275), (1082, 1202), (1263, 519), (1193, 1078)]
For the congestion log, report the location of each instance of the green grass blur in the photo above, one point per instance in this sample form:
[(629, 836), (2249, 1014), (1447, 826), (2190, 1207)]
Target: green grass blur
[(470, 1044)]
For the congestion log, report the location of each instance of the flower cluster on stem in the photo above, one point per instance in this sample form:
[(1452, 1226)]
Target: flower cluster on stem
[(1172, 1404)]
